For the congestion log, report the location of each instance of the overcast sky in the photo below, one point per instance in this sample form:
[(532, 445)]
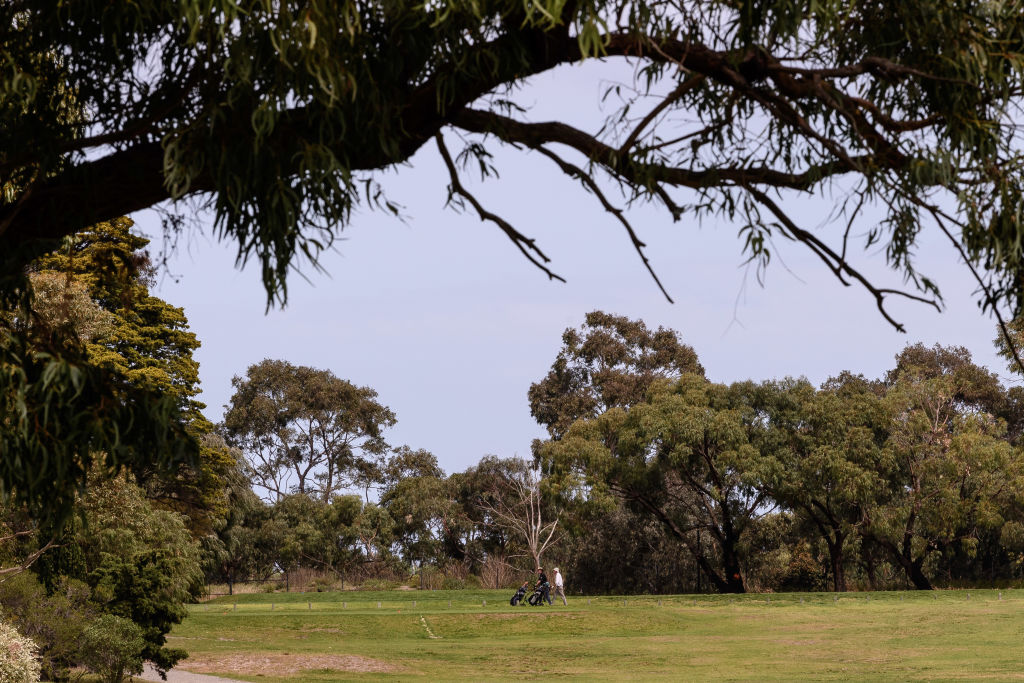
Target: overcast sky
[(443, 317)]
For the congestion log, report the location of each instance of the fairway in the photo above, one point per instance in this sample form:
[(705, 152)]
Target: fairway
[(940, 635)]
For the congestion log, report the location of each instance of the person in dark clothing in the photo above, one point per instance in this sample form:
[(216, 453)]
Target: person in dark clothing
[(543, 585)]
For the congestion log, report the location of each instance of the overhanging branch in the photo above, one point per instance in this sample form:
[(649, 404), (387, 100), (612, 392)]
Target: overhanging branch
[(526, 245)]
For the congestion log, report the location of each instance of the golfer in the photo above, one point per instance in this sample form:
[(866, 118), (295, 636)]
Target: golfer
[(543, 585), (560, 587)]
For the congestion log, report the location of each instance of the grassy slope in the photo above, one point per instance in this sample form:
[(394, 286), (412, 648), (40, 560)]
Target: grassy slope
[(881, 636)]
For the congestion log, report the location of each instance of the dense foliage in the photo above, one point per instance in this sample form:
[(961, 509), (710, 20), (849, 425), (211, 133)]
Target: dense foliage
[(18, 663), (278, 114), (657, 479), (915, 472), (87, 312)]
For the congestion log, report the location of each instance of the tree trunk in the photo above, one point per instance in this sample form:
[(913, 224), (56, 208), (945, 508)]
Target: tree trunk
[(731, 566), (732, 581), (721, 585), (916, 575), (836, 560), (869, 565), (912, 567)]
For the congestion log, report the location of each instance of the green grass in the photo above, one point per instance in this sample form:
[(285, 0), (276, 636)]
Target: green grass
[(944, 635)]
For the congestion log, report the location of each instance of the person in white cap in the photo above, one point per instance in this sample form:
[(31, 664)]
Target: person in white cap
[(560, 586)]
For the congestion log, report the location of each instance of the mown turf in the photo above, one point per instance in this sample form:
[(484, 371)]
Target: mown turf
[(945, 635)]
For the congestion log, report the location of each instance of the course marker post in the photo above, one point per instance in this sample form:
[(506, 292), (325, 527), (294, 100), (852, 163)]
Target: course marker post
[(378, 605), (344, 605), (310, 605), (271, 607), (414, 603), (449, 603), (485, 603), (236, 606), (1000, 595)]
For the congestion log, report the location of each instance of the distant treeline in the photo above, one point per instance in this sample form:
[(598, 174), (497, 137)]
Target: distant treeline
[(653, 479)]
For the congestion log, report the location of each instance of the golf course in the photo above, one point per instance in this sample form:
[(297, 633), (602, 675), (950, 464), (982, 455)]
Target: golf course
[(897, 636)]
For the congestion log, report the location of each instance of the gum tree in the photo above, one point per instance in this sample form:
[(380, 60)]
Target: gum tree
[(306, 431), (950, 474), (683, 458), (822, 455)]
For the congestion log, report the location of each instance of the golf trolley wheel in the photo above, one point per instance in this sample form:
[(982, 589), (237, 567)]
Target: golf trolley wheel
[(534, 599)]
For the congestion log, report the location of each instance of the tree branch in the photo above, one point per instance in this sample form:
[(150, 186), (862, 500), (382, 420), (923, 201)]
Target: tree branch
[(526, 245), (8, 572), (589, 182), (834, 262), (534, 135)]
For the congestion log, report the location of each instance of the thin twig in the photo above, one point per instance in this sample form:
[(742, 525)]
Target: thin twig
[(673, 97), (836, 264), (525, 244), (938, 215), (588, 181)]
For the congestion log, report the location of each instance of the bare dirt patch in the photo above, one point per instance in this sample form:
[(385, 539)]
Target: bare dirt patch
[(285, 664)]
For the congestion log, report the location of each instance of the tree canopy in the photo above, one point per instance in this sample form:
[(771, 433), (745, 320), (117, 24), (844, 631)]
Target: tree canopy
[(279, 117), (611, 361), (93, 368), (304, 430)]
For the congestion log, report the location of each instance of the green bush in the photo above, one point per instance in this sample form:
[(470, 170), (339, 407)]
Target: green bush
[(379, 585), (112, 647), (452, 583), (54, 622), (18, 663)]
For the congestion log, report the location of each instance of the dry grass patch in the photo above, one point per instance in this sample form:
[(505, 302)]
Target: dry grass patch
[(251, 664)]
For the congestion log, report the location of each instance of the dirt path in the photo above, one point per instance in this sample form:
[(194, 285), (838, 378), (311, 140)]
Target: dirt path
[(179, 676)]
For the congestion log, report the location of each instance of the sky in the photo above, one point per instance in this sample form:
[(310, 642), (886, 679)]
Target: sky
[(441, 315)]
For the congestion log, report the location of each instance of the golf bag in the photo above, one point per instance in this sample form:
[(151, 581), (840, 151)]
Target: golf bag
[(518, 597), (539, 594)]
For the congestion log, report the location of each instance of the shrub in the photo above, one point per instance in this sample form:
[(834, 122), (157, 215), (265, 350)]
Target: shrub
[(379, 585), (112, 647), (54, 622), (18, 663), (452, 583)]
